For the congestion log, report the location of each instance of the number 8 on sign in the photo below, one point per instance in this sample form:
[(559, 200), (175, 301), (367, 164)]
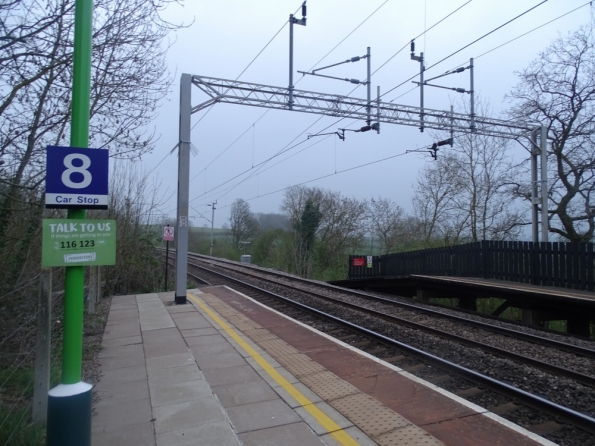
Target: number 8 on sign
[(71, 168)]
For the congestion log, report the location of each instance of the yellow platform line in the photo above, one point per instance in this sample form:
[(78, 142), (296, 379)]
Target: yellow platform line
[(323, 419)]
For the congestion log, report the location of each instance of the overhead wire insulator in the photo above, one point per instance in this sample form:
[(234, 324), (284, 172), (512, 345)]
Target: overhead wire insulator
[(444, 142)]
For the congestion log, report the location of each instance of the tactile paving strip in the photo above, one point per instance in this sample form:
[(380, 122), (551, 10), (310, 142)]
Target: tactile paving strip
[(360, 408), (260, 335), (407, 436), (276, 347), (381, 423), (239, 320), (299, 365), (328, 386)]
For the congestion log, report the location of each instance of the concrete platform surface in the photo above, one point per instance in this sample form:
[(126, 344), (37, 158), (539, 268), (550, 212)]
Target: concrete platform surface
[(177, 375), (224, 370)]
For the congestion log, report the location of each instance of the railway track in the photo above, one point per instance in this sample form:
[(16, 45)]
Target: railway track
[(461, 379), (490, 326)]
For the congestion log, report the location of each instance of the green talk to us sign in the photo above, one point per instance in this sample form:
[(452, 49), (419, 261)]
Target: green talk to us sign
[(70, 242)]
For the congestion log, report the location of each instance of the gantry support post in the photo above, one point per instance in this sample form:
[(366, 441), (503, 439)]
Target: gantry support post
[(421, 91), (472, 94), (183, 188), (369, 87), (534, 196), (290, 88), (544, 187)]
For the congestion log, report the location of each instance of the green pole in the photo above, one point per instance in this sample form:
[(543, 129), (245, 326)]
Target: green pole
[(70, 403), (74, 281)]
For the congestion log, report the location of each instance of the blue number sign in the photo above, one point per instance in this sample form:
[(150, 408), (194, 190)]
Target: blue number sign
[(76, 178)]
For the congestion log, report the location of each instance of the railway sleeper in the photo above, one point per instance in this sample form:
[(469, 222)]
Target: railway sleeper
[(393, 359), (469, 392), (505, 408), (545, 428), (439, 379)]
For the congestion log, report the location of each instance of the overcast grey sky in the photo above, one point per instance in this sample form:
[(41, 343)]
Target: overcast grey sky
[(227, 34)]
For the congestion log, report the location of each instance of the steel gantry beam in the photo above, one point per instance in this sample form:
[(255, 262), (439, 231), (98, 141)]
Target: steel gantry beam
[(225, 91)]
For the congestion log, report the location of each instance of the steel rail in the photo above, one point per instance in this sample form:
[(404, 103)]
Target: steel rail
[(570, 348), (574, 417), (547, 367)]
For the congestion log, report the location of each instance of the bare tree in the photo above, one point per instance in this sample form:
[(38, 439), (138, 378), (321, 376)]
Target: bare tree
[(433, 192), (557, 89), (242, 222), (386, 222), (325, 225), (342, 226), (485, 172), (128, 80), (464, 195), (133, 201)]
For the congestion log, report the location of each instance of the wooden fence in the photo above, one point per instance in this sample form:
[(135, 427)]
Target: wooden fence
[(559, 264)]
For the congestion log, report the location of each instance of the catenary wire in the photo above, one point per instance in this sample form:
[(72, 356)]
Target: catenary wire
[(422, 33), (468, 45), (534, 29), (409, 151), (345, 38), (522, 35), (442, 60), (326, 55), (282, 150), (248, 66)]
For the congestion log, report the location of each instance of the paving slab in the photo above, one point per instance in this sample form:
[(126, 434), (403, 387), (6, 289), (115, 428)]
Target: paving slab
[(115, 342), (185, 373), (122, 415), (121, 331), (168, 361), (178, 392), (121, 350), (212, 434), (219, 377), (261, 415), (199, 332), (295, 433), (218, 360), (109, 393), (125, 374), (244, 393), (187, 414), (120, 362), (135, 434)]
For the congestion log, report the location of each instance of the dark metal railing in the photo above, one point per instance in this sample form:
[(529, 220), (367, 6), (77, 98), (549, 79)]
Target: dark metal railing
[(559, 264)]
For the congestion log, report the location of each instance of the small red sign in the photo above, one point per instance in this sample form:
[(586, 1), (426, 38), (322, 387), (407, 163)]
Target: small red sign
[(168, 233), (359, 261)]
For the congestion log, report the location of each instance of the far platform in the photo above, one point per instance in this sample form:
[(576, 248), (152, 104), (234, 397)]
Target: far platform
[(225, 370), (539, 303)]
